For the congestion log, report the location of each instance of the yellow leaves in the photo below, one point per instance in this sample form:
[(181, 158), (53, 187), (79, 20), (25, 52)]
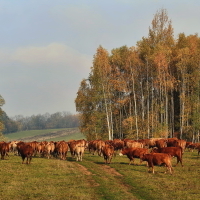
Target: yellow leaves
[(128, 121)]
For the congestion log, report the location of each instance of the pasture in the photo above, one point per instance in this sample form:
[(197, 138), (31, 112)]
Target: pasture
[(46, 134), (92, 179)]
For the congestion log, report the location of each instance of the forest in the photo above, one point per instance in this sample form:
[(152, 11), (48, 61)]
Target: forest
[(148, 90)]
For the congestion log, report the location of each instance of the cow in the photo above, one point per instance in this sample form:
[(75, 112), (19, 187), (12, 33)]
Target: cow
[(40, 148), (62, 148), (134, 152), (99, 146), (26, 151), (13, 147), (158, 159), (172, 142), (117, 144), (132, 143), (49, 149), (34, 146), (108, 152), (161, 143), (150, 143), (181, 143), (173, 151), (4, 149), (72, 147), (80, 146)]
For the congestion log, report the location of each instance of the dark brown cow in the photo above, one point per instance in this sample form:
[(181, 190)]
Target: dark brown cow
[(134, 152), (173, 151), (117, 144), (107, 151), (4, 149), (158, 159), (26, 151), (172, 142)]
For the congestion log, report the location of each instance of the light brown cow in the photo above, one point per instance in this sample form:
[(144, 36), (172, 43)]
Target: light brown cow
[(80, 146), (158, 159), (49, 149), (133, 143)]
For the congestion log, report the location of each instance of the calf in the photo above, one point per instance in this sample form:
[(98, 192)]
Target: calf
[(107, 151), (173, 151), (158, 159)]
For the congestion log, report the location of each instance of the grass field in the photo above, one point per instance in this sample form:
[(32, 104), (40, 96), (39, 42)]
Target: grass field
[(92, 179), (47, 134)]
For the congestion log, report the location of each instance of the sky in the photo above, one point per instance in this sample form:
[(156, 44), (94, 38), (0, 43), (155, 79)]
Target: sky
[(47, 46)]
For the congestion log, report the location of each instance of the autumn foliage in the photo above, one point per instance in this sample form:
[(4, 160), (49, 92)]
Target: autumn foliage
[(150, 90)]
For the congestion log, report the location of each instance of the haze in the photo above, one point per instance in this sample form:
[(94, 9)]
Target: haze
[(47, 46)]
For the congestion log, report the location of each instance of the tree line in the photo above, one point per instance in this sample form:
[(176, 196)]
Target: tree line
[(149, 90), (35, 122), (38, 122)]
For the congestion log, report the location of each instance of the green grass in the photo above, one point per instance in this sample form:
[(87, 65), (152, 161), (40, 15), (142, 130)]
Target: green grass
[(92, 179), (30, 133), (76, 136)]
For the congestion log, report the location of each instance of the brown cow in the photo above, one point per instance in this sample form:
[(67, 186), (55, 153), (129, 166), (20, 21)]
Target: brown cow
[(180, 143), (72, 147), (108, 152), (132, 153), (99, 146), (161, 143), (128, 152), (26, 151), (158, 159), (172, 142), (173, 151), (62, 148), (117, 144), (4, 149)]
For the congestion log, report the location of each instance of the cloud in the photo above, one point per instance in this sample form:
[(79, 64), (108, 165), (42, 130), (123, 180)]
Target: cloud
[(54, 53)]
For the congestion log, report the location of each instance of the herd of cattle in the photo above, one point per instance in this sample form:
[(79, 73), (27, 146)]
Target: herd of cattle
[(155, 151)]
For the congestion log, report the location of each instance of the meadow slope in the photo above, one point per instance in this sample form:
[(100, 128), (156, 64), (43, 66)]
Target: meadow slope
[(92, 179)]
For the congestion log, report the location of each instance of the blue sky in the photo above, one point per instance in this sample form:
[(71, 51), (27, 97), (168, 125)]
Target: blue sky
[(47, 46)]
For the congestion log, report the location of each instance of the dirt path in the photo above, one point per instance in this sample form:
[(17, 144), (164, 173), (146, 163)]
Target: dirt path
[(107, 179)]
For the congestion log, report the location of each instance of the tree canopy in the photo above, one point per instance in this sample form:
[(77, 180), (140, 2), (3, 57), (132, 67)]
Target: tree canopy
[(150, 90)]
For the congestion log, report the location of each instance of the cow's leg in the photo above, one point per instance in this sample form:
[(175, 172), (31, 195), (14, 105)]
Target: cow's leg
[(153, 169), (23, 158)]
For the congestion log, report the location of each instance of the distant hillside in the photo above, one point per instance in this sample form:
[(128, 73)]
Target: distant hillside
[(47, 135)]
